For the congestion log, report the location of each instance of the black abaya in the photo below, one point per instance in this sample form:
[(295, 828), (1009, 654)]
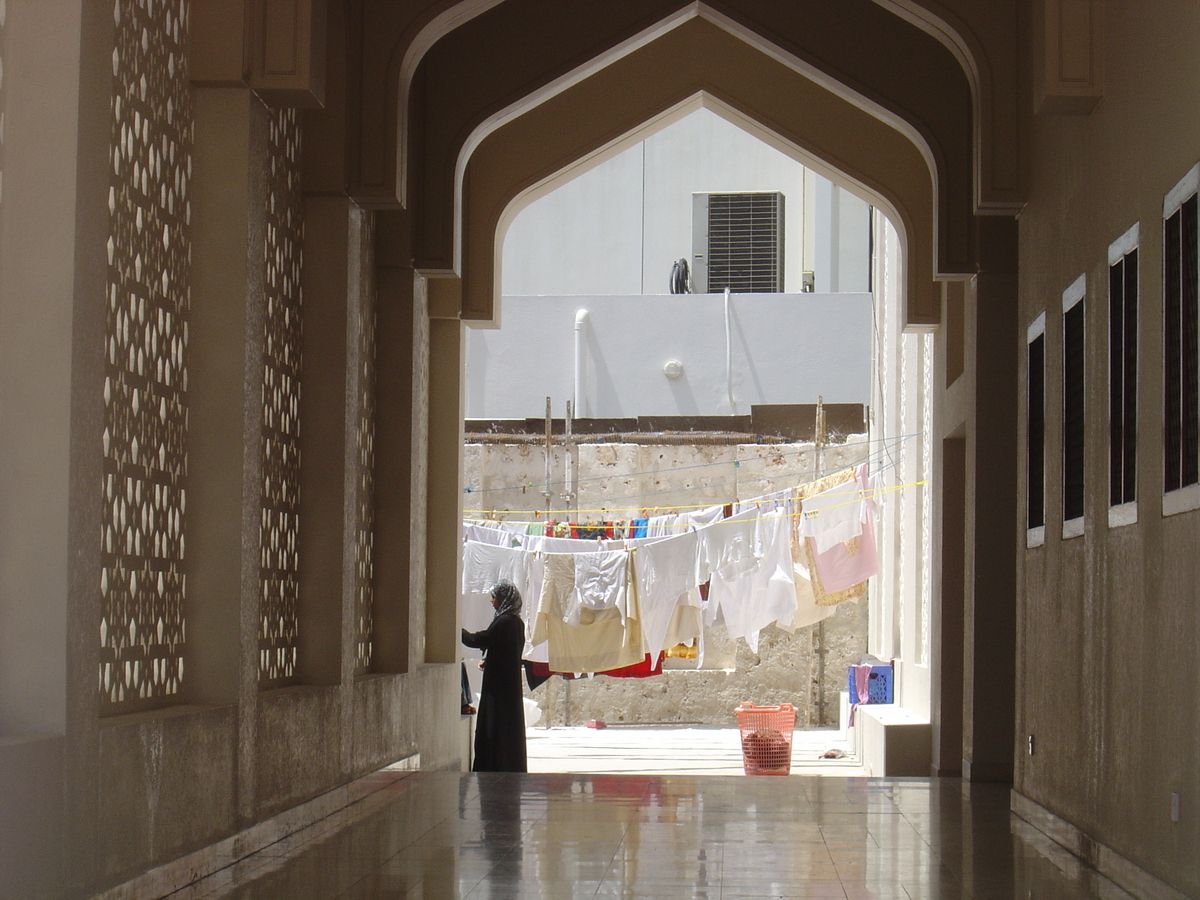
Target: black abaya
[(500, 727)]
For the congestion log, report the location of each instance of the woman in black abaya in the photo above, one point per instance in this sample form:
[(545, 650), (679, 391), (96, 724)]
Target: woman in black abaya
[(500, 728)]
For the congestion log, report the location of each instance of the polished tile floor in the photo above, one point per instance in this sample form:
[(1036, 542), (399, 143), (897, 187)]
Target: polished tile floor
[(676, 750), (435, 835)]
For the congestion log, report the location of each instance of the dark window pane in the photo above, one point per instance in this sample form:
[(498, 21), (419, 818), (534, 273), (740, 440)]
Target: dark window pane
[(1116, 382), (1129, 419), (1172, 334), (1189, 449), (1037, 431), (1073, 426)]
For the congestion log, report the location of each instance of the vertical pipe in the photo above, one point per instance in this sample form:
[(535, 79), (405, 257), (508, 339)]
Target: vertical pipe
[(581, 318), (729, 357), (549, 452)]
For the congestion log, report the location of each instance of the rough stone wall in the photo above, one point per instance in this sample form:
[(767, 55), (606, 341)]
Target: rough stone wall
[(616, 480)]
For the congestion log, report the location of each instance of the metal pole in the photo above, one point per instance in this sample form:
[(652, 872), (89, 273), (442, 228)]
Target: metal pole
[(549, 451), (568, 494), (819, 440)]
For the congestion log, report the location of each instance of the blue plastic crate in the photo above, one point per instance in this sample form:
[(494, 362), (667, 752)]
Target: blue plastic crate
[(879, 684)]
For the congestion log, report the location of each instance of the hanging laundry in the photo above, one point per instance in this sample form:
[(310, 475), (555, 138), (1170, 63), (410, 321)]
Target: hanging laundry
[(766, 502), (756, 597), (832, 516), (592, 531), (661, 526), (841, 572), (607, 638), (601, 580), (808, 611), (665, 571), (485, 564), (728, 547), (702, 516), (648, 667), (487, 534), (539, 544)]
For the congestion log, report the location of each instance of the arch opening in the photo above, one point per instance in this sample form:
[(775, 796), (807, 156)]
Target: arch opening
[(888, 612)]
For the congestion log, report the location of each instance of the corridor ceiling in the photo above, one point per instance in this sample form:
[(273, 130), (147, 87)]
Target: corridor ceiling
[(458, 112)]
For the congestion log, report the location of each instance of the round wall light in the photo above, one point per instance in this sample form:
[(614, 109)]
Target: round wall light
[(673, 368)]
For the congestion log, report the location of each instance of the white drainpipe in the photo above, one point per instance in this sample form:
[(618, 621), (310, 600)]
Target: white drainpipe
[(580, 407), (729, 357)]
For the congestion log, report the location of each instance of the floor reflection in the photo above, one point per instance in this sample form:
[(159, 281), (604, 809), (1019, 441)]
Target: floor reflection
[(435, 836)]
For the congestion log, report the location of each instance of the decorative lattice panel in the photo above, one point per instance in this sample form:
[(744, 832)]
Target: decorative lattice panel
[(145, 387), (364, 547), (279, 573)]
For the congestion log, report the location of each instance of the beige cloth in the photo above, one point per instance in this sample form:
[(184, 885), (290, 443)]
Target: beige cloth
[(608, 638)]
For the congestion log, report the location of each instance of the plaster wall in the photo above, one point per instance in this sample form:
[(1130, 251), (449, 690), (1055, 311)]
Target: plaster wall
[(784, 348), (1107, 622), (617, 228)]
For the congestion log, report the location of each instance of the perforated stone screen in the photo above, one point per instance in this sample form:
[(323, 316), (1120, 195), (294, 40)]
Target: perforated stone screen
[(142, 585), (280, 566)]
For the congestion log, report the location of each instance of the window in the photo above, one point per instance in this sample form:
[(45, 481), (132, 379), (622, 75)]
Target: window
[(1073, 408), (1035, 447), (1122, 378), (1181, 400), (737, 243)]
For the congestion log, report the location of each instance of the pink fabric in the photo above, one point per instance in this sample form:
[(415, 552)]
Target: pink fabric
[(847, 564), (862, 678)]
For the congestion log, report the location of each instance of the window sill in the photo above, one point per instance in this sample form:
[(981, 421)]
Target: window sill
[(1123, 514), (1035, 537), (1072, 528), (1180, 501)]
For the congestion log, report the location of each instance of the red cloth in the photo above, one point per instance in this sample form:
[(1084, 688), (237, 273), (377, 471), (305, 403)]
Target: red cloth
[(644, 669)]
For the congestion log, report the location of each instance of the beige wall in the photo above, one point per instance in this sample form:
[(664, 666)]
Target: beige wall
[(1108, 684)]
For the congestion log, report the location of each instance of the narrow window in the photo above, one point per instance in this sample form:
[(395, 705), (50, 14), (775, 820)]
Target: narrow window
[(1073, 408), (1036, 433), (1181, 401), (1122, 377)]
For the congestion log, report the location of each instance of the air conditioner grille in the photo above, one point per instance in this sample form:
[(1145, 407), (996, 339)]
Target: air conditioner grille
[(745, 233)]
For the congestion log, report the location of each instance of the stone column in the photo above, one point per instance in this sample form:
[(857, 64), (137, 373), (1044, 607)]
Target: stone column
[(444, 554), (989, 629), (326, 486), (53, 226), (225, 379), (401, 452)]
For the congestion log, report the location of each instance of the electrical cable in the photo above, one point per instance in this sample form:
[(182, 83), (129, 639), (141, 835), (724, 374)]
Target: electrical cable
[(680, 281)]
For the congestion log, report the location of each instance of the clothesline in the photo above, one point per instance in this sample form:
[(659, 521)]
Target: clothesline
[(887, 444), (597, 605), (542, 516)]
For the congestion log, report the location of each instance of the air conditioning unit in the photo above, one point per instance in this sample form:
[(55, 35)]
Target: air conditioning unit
[(737, 243)]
